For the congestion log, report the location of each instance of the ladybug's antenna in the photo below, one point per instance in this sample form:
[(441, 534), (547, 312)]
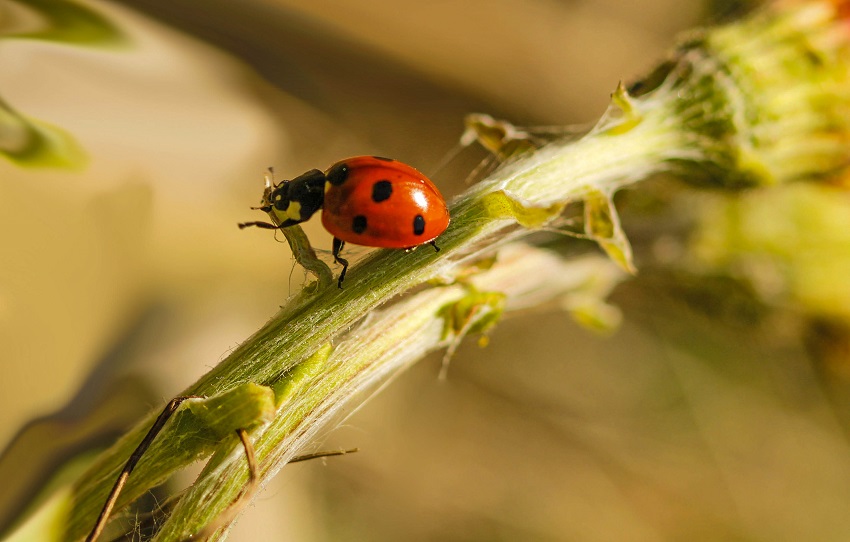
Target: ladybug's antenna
[(267, 192)]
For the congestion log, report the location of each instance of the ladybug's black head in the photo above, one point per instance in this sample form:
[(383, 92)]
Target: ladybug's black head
[(279, 197), (295, 201), (291, 202)]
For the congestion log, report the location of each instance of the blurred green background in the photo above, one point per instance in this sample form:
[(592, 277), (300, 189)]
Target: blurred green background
[(124, 281)]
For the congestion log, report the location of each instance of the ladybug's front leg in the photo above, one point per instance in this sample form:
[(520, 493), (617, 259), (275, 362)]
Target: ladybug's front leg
[(263, 225), (337, 248)]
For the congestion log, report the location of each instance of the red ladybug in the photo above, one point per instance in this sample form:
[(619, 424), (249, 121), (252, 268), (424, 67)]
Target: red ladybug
[(365, 200)]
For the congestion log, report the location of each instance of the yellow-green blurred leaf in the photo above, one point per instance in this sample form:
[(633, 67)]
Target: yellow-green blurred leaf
[(64, 21), (602, 224), (32, 143), (48, 523)]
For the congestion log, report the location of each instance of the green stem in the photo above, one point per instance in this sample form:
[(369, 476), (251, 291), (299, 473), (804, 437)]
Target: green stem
[(384, 344)]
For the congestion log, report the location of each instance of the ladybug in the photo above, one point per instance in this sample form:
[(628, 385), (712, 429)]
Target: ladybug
[(365, 200)]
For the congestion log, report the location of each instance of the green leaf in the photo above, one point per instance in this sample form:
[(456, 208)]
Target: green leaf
[(602, 224), (68, 22), (47, 524), (33, 143)]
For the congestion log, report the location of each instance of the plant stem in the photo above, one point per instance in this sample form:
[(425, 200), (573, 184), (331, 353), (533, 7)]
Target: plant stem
[(482, 220)]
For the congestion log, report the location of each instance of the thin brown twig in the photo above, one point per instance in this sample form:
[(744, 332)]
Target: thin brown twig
[(251, 487), (317, 455), (229, 513), (137, 454)]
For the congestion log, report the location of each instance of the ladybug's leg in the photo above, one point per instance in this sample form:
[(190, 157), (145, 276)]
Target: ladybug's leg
[(264, 225), (434, 244), (338, 244)]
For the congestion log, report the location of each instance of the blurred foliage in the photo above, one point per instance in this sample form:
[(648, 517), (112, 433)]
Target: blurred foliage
[(33, 143), (63, 21), (29, 142)]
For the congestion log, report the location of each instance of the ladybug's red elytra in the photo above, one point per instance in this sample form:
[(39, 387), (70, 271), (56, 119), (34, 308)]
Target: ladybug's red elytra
[(365, 200)]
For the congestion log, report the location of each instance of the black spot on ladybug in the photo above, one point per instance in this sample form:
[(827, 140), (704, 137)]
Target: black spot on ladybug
[(381, 191), (418, 225), (384, 159), (358, 224), (337, 174)]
